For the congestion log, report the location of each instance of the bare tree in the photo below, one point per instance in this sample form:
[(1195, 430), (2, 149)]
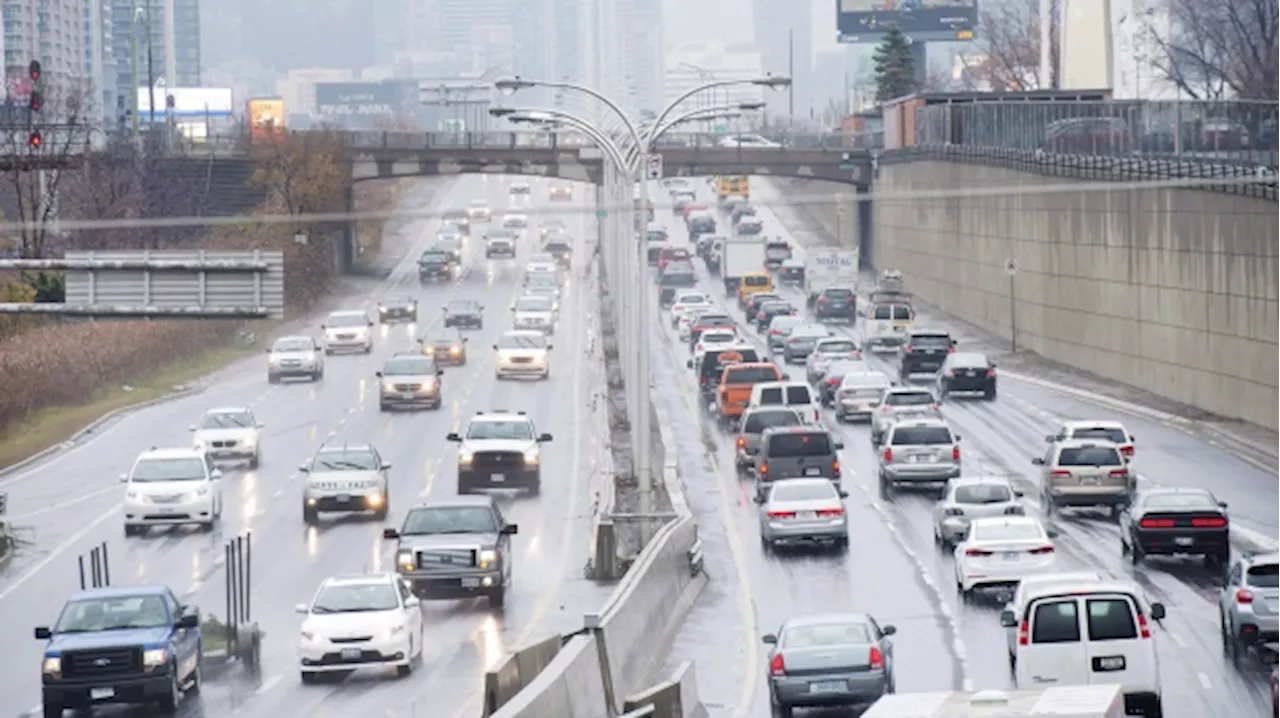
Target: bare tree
[(34, 170), (1213, 50), (1010, 42)]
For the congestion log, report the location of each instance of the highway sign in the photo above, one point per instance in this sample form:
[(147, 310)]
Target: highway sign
[(653, 167), (602, 214), (1011, 266)]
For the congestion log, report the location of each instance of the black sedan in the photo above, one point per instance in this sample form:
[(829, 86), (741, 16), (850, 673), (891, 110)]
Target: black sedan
[(446, 345), (397, 308), (464, 314), (1176, 522), (967, 372), (435, 264), (457, 218), (769, 310)]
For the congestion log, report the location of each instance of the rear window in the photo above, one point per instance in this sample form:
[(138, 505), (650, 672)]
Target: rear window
[(1056, 622), (1007, 532), (834, 634), (788, 445), (803, 491), (883, 313), (909, 398), (1090, 456), (715, 320), (931, 340), (758, 421), (1097, 432), (798, 395), (755, 281), (838, 346), (921, 435), (983, 494), (1264, 576), (1110, 619), (840, 295), (750, 375), (794, 395), (1181, 501)]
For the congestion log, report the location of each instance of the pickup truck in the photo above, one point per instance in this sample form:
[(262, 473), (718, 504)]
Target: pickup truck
[(132, 645)]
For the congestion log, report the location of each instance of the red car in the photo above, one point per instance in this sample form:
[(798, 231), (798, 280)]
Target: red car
[(671, 253)]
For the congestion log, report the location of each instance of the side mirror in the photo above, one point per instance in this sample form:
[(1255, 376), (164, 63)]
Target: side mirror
[(688, 364), (124, 478), (770, 639), (1051, 533), (888, 630), (378, 373), (386, 467), (510, 530), (323, 326), (390, 534), (369, 323), (260, 425), (412, 602), (843, 494), (304, 468), (215, 474), (191, 428), (786, 377), (549, 347), (757, 499), (268, 351), (1157, 611), (188, 620), (1050, 438), (991, 365), (439, 372), (453, 436), (43, 633), (300, 608), (958, 437), (495, 346), (839, 446), (1007, 619), (1017, 494), (1038, 461), (1222, 505), (544, 438)]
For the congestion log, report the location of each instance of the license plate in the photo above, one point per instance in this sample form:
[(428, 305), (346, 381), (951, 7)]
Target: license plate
[(971, 373), (806, 514), (499, 478), (351, 654), (1108, 663), (1091, 480), (343, 498), (1184, 541), (406, 395), (827, 687), (470, 583), (166, 510), (813, 472), (100, 694), (1012, 555)]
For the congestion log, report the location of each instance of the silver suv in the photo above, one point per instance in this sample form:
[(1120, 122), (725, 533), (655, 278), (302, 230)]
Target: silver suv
[(919, 451), (901, 403), (410, 380), (1249, 603), (1086, 472), (346, 478)]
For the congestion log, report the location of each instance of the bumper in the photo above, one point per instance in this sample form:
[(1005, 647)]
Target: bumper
[(435, 273), (500, 477), (470, 322), (791, 357), (1096, 496), (835, 690), (805, 531), (458, 585), (923, 473), (1198, 543), (306, 370), (929, 366), (448, 358), (371, 501), (431, 399), (971, 577), (334, 345), (854, 409), (884, 340), (962, 384), (834, 313), (545, 328), (122, 690), (138, 513), (240, 451), (531, 369), (322, 656)]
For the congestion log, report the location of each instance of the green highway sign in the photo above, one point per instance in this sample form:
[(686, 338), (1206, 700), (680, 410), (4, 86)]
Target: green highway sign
[(720, 129), (602, 214)]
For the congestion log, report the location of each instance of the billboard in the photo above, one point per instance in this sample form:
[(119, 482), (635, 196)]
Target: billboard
[(865, 21), (266, 117), (344, 99), (185, 102)]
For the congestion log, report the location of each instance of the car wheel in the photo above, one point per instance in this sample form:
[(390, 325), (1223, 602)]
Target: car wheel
[(197, 676), (51, 710), (989, 394), (169, 703), (255, 461), (309, 514), (273, 379), (498, 598), (382, 406), (317, 376), (1135, 553), (130, 530)]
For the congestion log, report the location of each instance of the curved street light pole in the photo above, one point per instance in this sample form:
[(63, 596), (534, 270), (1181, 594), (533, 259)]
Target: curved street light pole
[(709, 113), (532, 115)]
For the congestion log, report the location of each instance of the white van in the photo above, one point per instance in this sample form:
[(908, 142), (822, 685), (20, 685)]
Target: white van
[(795, 395), (1091, 633), (886, 325), (1065, 702), (1026, 587), (859, 394)]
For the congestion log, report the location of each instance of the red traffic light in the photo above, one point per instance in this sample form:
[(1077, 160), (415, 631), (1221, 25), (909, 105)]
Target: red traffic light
[(37, 100), (35, 140), (34, 70)]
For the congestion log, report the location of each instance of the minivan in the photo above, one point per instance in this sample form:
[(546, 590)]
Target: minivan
[(886, 325), (795, 395), (790, 452), (1090, 633)]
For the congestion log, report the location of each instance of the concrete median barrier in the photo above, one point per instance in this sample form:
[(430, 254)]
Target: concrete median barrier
[(571, 686), (676, 697), (517, 670)]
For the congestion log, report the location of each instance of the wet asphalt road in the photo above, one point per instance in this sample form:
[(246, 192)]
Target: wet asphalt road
[(70, 503), (893, 568)]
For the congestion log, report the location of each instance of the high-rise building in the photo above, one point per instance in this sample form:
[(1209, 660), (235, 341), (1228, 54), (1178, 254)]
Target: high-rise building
[(157, 42), (624, 40), (99, 60), (51, 31), (784, 36)]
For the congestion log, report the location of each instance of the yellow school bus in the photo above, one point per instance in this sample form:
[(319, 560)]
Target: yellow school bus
[(733, 186)]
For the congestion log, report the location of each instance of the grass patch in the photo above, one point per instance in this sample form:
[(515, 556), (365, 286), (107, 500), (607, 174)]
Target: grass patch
[(54, 425)]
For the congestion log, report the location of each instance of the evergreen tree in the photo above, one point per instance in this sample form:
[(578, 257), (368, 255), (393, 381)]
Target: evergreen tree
[(894, 66)]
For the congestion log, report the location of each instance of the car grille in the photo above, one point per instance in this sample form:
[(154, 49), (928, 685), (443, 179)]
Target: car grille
[(407, 387), (497, 458), (333, 659), (102, 663), (352, 639), (166, 498), (446, 559), (521, 360), (224, 443), (342, 485), (291, 362), (344, 336)]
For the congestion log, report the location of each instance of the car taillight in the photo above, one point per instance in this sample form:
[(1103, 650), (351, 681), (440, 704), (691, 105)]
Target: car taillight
[(822, 300), (1244, 595), (1126, 450), (835, 467), (1118, 472), (759, 316), (1024, 633), (1042, 551), (1156, 523), (1144, 629), (763, 469), (907, 349), (886, 409), (991, 372), (955, 453), (1060, 473), (782, 514), (775, 331), (976, 552), (777, 666), (888, 454), (951, 349), (831, 513), (742, 442), (876, 659), (834, 381), (948, 373), (1210, 523)]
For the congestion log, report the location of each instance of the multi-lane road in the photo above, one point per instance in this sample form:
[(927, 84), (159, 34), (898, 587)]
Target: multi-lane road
[(894, 570), (64, 506)]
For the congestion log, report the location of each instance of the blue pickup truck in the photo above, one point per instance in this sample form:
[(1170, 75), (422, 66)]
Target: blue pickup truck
[(137, 645)]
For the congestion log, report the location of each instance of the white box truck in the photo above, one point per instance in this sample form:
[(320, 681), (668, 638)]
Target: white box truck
[(742, 256), (1099, 701), (827, 269)]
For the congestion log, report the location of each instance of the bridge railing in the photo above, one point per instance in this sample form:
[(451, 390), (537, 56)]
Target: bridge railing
[(1220, 131), (550, 140)]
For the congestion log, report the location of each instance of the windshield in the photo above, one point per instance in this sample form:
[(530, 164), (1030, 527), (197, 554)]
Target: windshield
[(292, 344), (911, 398), (1007, 532), (462, 307), (339, 460), (831, 634), (810, 444), (227, 420), (533, 304), (803, 491), (356, 597), (434, 256), (983, 494), (522, 341), (758, 421), (1115, 435), (192, 469), (841, 346), (838, 295), (1090, 456), (784, 325), (692, 299), (479, 204), (557, 246), (91, 615), (884, 311), (776, 308), (499, 234), (714, 320), (542, 258), (347, 320), (396, 301), (931, 341), (408, 366), (514, 430), (443, 336), (1181, 501), (756, 281), (810, 333), (921, 435), (750, 374), (449, 520), (718, 337)]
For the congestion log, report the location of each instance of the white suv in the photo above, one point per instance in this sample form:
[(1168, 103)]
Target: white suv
[(522, 353), (348, 330), (168, 487), (230, 433)]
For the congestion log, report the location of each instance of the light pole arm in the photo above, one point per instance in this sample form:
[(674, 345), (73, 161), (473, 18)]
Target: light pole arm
[(582, 125), (658, 121), (626, 122), (707, 113)]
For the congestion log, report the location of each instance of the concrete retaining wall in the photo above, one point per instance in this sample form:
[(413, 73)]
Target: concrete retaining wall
[(1170, 290)]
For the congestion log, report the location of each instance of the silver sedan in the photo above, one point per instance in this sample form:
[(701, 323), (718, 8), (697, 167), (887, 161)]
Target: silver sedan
[(803, 511), (843, 659), (969, 498)]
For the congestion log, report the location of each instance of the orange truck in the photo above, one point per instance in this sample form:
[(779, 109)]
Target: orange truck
[(736, 381)]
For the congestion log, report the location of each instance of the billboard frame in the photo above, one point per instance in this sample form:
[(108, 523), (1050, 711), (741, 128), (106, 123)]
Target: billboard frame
[(930, 24)]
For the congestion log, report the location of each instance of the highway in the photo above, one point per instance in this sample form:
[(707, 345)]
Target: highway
[(64, 506), (894, 570)]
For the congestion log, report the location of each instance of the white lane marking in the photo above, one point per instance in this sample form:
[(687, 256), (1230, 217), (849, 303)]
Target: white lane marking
[(18, 518), (269, 683), (1205, 682), (57, 552), (1177, 639)]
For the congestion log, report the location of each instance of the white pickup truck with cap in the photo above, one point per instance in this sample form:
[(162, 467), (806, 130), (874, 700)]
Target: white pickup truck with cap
[(1105, 701)]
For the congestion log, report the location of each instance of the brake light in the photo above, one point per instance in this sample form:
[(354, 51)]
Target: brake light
[(1144, 629), (992, 372), (1244, 595), (742, 442), (1024, 633), (822, 300), (908, 349), (976, 552), (951, 349), (830, 513), (888, 454), (948, 373), (763, 469), (1118, 472), (1212, 523), (775, 331), (1042, 551), (777, 666), (782, 514), (955, 453), (886, 409), (876, 659), (833, 381), (1126, 450), (1156, 523), (1062, 473), (759, 316), (835, 467)]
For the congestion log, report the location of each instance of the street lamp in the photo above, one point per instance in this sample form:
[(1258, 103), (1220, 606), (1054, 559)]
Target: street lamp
[(547, 117), (640, 310)]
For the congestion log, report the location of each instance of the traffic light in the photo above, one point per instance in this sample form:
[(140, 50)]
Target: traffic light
[(37, 100), (35, 140), (34, 70)]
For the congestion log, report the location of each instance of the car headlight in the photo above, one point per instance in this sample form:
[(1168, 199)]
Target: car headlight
[(52, 665), (455, 349), (429, 384), (404, 559), (531, 456), (388, 386), (487, 558), (465, 457), (153, 657)]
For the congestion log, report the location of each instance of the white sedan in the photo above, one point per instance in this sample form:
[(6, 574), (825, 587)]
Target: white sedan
[(515, 221), (715, 338), (999, 552), (689, 304), (749, 142), (229, 433), (369, 621)]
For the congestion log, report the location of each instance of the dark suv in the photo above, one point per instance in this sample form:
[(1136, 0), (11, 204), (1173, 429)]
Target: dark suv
[(835, 303), (967, 371), (790, 452), (925, 350)]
